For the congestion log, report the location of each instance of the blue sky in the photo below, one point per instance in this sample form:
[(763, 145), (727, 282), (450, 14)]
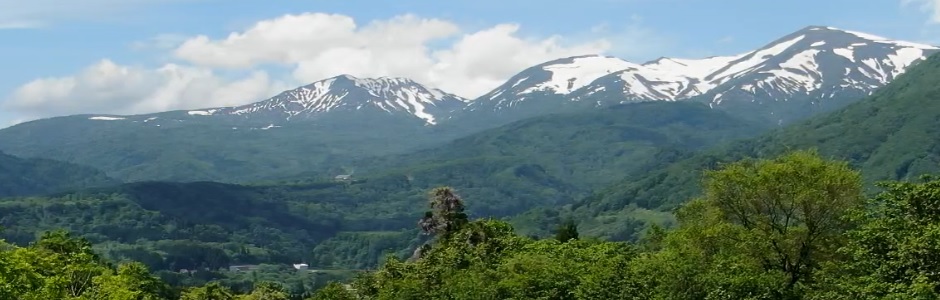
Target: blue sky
[(127, 56)]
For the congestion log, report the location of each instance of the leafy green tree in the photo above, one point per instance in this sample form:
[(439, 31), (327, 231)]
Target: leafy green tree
[(19, 274), (895, 253), (132, 281), (72, 261), (567, 231), (447, 214), (267, 291), (210, 291), (762, 229), (333, 291), (795, 206)]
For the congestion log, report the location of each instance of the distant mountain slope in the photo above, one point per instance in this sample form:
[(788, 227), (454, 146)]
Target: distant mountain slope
[(892, 135), (588, 148), (19, 176), (300, 130), (550, 160), (546, 161), (543, 88), (345, 93)]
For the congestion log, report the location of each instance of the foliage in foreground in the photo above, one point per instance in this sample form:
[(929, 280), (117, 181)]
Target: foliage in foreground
[(60, 266), (792, 227)]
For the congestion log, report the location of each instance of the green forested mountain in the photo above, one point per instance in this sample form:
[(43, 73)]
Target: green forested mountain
[(588, 149), (892, 135), (543, 162), (20, 176), (524, 171), (551, 160), (791, 227), (172, 226), (175, 146)]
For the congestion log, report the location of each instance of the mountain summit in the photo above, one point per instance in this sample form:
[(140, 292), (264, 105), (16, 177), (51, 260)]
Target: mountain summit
[(387, 95), (809, 65)]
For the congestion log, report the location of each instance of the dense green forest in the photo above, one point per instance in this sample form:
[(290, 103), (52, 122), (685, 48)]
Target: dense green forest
[(891, 135), (176, 146), (587, 149), (790, 227), (795, 226), (352, 225), (172, 226), (19, 176)]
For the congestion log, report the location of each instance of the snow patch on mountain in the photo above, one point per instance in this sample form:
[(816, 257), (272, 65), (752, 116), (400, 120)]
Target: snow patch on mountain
[(347, 93), (580, 71), (106, 118), (814, 59), (750, 61)]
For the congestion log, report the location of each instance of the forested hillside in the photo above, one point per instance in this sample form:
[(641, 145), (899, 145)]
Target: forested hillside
[(19, 176), (176, 146), (892, 135), (590, 148), (172, 226), (790, 227), (794, 226)]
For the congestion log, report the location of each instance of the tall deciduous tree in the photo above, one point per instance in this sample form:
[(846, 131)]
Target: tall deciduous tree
[(761, 229), (795, 205), (447, 214), (895, 253), (210, 291), (568, 230)]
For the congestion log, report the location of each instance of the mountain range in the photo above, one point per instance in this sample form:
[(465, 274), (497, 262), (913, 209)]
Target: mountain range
[(328, 125), (891, 135), (814, 69), (613, 144)]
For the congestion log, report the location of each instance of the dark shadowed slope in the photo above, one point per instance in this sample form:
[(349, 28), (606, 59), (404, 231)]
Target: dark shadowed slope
[(22, 176)]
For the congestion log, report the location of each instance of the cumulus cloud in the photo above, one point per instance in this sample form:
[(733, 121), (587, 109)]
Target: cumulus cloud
[(107, 87), (931, 6), (321, 45), (13, 24), (40, 12), (310, 47)]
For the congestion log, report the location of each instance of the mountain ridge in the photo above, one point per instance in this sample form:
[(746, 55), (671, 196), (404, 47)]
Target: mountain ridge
[(789, 66), (813, 62), (327, 124), (891, 135), (34, 176)]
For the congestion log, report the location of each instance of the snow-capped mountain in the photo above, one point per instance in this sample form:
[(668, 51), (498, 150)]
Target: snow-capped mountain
[(557, 77), (817, 63), (387, 95), (812, 64)]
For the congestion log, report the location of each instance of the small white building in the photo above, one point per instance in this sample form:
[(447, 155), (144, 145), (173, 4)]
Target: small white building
[(301, 267)]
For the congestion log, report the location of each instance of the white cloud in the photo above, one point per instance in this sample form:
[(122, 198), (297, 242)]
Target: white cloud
[(11, 24), (50, 11), (312, 46), (931, 6), (320, 45), (164, 41), (106, 87)]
